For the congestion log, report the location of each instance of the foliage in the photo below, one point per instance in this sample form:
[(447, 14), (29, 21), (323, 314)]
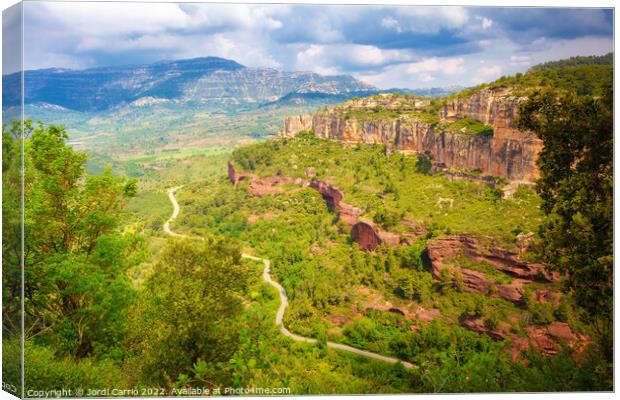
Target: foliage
[(386, 219), (185, 322), (470, 126), (581, 75), (196, 315), (576, 188), (43, 370), (607, 59), (75, 284), (363, 172)]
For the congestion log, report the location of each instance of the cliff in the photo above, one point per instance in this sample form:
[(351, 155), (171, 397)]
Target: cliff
[(408, 124)]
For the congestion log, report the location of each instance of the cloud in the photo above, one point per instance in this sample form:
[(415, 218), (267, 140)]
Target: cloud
[(526, 24), (339, 58), (451, 66), (430, 19), (391, 23), (386, 45), (11, 43), (101, 19), (417, 74), (520, 60), (487, 74)]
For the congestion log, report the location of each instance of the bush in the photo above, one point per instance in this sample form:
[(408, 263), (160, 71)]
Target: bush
[(387, 219), (423, 165)]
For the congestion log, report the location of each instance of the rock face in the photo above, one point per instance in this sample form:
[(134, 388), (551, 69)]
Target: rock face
[(298, 123), (366, 235), (549, 339), (232, 173), (261, 187), (348, 214), (509, 153), (332, 195), (443, 252)]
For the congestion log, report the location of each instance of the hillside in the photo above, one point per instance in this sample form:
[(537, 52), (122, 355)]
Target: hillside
[(369, 262), (373, 247), (473, 130), (139, 110), (208, 81)]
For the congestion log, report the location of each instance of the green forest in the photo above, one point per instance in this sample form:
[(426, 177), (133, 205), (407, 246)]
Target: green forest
[(113, 301)]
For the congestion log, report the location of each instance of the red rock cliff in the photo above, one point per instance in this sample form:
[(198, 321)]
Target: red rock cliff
[(509, 153)]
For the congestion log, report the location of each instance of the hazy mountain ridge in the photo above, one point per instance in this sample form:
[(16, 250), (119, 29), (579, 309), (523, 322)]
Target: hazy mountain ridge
[(148, 108), (212, 80)]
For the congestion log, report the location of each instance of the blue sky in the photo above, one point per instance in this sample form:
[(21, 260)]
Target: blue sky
[(385, 46)]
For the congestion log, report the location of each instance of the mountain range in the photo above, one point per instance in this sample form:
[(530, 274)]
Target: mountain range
[(211, 81), (132, 110)]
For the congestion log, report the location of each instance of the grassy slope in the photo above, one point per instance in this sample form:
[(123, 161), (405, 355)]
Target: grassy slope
[(314, 258), (365, 172)]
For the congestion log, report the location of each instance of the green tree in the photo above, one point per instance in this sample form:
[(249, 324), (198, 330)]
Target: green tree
[(576, 187), (189, 312), (11, 228), (76, 288)]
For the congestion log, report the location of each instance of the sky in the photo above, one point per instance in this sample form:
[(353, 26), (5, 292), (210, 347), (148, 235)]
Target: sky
[(386, 46)]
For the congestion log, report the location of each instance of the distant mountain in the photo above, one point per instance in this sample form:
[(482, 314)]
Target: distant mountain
[(319, 99), (211, 80), (430, 92)]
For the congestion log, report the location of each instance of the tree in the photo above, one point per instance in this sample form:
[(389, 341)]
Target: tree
[(188, 315), (11, 228), (75, 287), (576, 187)]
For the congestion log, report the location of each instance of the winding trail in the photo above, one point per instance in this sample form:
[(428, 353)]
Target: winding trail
[(283, 296)]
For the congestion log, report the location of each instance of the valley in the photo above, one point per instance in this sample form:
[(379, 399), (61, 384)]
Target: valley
[(271, 229)]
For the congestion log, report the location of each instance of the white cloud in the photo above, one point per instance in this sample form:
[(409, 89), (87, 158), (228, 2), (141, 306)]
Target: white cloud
[(431, 19), (520, 60), (99, 19), (427, 77), (391, 23), (239, 16), (449, 66), (324, 39), (486, 74), (340, 57), (418, 74)]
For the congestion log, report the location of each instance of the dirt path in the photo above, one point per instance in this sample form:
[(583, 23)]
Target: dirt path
[(175, 212), (283, 296)]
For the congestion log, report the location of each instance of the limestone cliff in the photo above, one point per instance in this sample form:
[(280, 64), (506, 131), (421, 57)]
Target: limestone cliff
[(404, 124)]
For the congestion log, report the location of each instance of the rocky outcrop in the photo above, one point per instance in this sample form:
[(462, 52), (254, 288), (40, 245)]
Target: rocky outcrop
[(332, 195), (495, 107), (261, 187), (298, 123), (348, 214), (444, 253), (478, 325), (509, 153), (270, 185), (232, 173), (453, 247), (549, 340), (366, 235)]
